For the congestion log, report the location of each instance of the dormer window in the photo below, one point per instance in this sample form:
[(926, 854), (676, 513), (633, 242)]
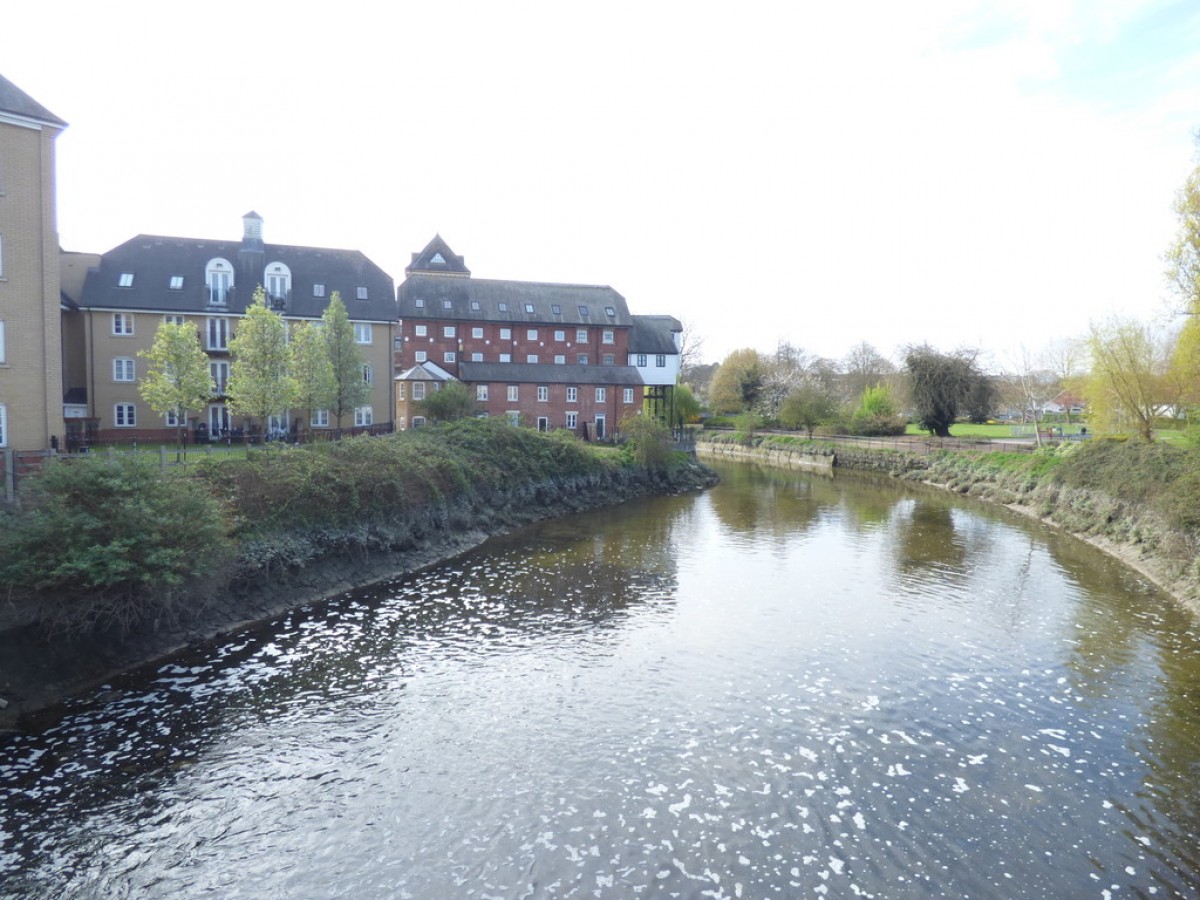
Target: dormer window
[(176, 283), (361, 292), (556, 309), (125, 279), (583, 311), (318, 290), (446, 304), (419, 302), (218, 275), (438, 260), (529, 308), (279, 282), (503, 306), (611, 312), (474, 306)]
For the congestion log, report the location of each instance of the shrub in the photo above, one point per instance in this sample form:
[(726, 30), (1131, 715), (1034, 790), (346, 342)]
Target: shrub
[(110, 540), (649, 439)]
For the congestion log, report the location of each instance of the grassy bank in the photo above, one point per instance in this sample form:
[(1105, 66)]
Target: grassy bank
[(1138, 501), (111, 540)]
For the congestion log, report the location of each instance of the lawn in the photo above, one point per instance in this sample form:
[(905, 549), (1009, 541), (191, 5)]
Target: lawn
[(997, 431)]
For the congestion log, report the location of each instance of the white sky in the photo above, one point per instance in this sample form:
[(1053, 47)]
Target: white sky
[(979, 174)]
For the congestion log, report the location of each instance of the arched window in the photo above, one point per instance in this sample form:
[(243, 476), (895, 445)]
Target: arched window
[(218, 275), (279, 282)]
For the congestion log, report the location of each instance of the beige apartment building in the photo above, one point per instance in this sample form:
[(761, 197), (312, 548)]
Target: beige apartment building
[(31, 395), (153, 279)]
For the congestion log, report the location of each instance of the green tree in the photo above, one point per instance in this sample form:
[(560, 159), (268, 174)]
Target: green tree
[(178, 379), (450, 403), (259, 385), (737, 383), (685, 408), (350, 390), (807, 406), (650, 440), (1126, 382), (310, 369), (1183, 256), (939, 385)]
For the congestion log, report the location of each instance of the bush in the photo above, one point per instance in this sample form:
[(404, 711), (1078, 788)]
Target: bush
[(109, 540), (649, 439)]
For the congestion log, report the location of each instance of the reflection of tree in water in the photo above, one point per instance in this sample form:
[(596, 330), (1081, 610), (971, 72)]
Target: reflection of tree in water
[(926, 539), (763, 503)]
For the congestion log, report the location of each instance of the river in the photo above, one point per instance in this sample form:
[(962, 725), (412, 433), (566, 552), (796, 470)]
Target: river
[(790, 685)]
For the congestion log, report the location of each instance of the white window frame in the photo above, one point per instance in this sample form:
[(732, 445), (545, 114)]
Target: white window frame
[(361, 292), (506, 334), (218, 277), (218, 374), (641, 360), (543, 393), (318, 289), (420, 356), (124, 369), (171, 418), (609, 359), (399, 390), (122, 324), (418, 390), (477, 333), (505, 357), (175, 283), (3, 425), (173, 319), (363, 333), (449, 356), (319, 419), (628, 395), (368, 374), (607, 336), (476, 356), (421, 330), (560, 359), (216, 333), (125, 279), (531, 334), (660, 360), (125, 415), (560, 336), (514, 393), (364, 416), (601, 395), (531, 358), (448, 331), (581, 336), (572, 395), (572, 420)]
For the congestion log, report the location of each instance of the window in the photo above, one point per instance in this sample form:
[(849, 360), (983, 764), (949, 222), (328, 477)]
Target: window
[(176, 283), (601, 394), (543, 423), (606, 336), (610, 311), (362, 332), (660, 360), (449, 356), (398, 342), (474, 306), (556, 309), (419, 302), (531, 334), (320, 418), (3, 356), (477, 333), (503, 307), (420, 356), (628, 396), (512, 392), (506, 334), (122, 323), (218, 275), (418, 390), (218, 334), (560, 335), (481, 392), (476, 357), (448, 331), (582, 359), (514, 418), (581, 336), (560, 359), (364, 416), (279, 281), (572, 420), (421, 330), (172, 419), (531, 358), (123, 369), (543, 393), (583, 311), (609, 359), (125, 279), (506, 357), (446, 304), (641, 360), (418, 421), (218, 371), (572, 394), (438, 260), (171, 319), (368, 374), (319, 291), (399, 390), (361, 293), (529, 308), (125, 415)]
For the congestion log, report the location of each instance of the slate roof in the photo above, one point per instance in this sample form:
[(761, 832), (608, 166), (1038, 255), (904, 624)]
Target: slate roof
[(16, 102), (153, 260), (544, 373), (519, 302), (425, 371), (438, 259), (654, 335)]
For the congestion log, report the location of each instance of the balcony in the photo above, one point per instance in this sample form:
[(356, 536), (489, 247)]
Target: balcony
[(279, 301), (220, 296)]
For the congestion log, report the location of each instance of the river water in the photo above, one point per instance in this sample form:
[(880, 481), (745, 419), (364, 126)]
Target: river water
[(791, 685)]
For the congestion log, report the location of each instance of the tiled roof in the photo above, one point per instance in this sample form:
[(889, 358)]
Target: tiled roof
[(543, 373), (531, 302), (654, 334), (154, 260), (437, 258)]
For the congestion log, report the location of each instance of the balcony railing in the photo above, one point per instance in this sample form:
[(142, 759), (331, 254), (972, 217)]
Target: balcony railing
[(220, 296)]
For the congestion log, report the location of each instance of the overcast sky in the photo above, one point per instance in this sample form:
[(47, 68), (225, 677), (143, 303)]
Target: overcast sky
[(983, 174)]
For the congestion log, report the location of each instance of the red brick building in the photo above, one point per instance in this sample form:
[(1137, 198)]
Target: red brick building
[(543, 355)]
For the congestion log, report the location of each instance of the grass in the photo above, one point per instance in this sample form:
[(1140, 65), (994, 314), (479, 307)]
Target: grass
[(995, 431)]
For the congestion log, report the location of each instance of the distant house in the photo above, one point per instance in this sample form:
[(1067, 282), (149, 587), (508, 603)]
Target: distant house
[(540, 354), (31, 392), (151, 279), (413, 386)]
